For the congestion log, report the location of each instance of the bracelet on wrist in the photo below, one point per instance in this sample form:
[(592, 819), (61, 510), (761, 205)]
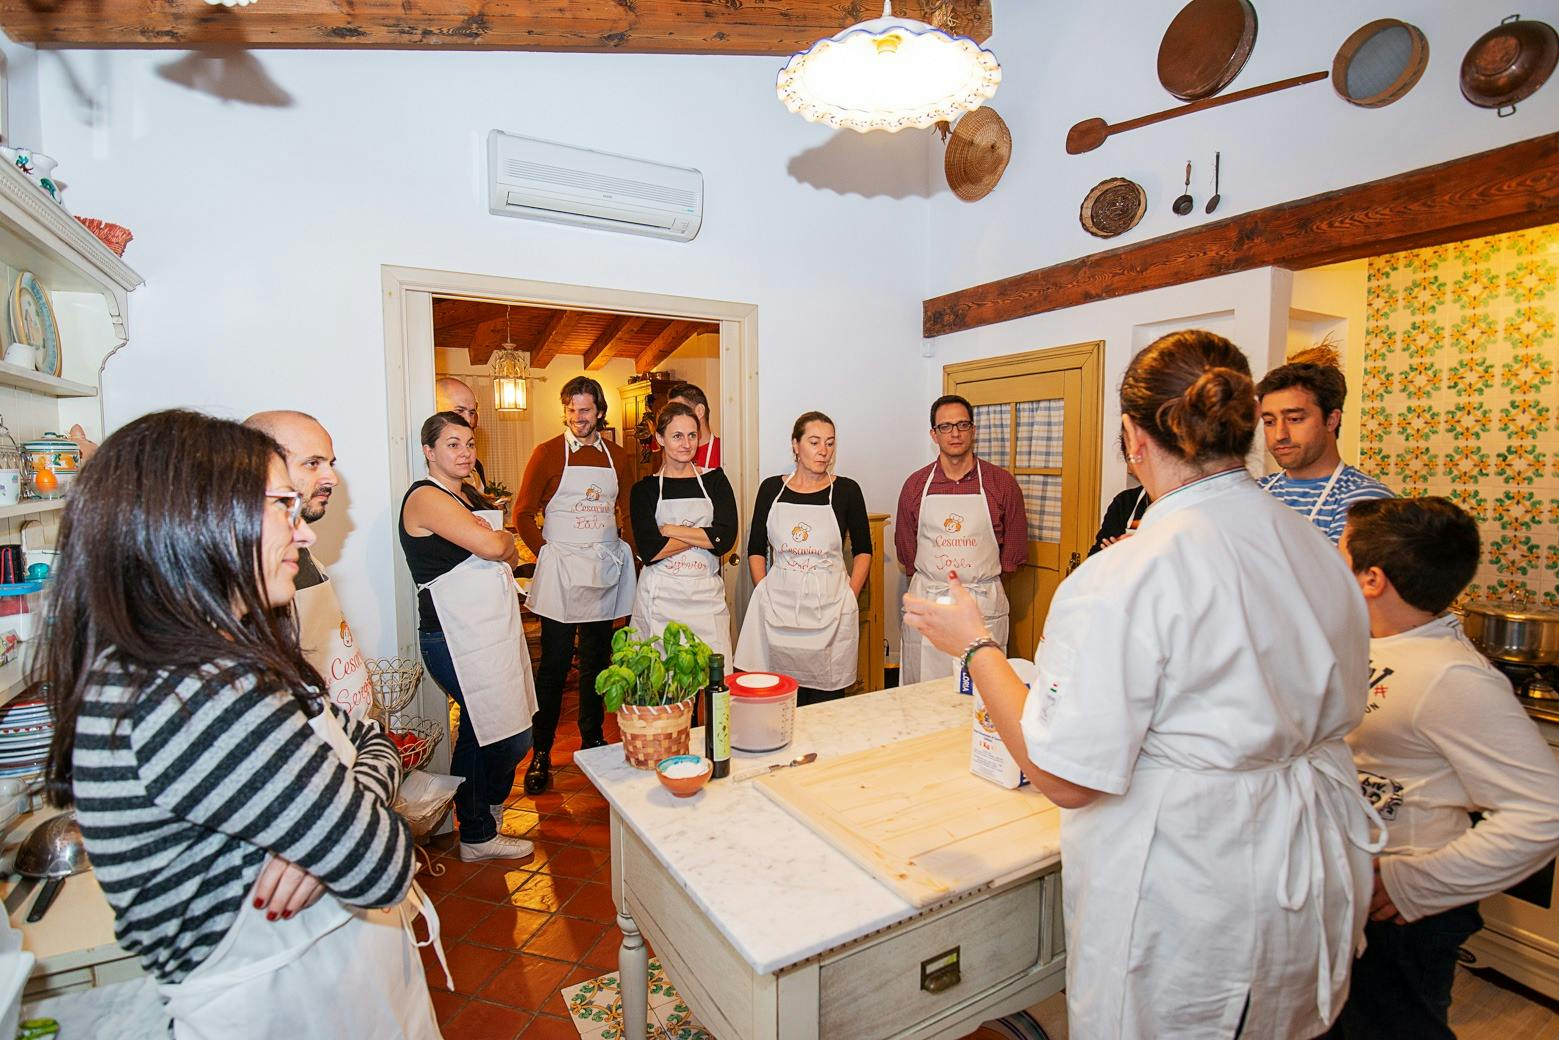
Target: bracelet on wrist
[(978, 645)]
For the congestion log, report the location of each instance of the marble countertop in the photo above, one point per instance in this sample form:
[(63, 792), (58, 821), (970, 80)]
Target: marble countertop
[(771, 885)]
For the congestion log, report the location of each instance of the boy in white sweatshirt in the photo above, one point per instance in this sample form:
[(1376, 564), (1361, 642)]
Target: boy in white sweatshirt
[(1443, 736)]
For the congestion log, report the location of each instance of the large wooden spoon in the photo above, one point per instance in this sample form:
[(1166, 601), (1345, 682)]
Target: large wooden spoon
[(1091, 133)]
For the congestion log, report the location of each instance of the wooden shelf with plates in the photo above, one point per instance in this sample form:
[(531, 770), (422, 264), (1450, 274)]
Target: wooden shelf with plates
[(32, 506), (41, 383), (13, 679)]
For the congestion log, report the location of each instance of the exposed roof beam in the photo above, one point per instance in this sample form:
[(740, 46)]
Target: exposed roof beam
[(663, 346), (552, 337), (665, 26), (619, 328), (487, 338)]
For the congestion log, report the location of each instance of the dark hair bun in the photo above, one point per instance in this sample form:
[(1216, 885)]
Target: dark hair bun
[(1192, 392)]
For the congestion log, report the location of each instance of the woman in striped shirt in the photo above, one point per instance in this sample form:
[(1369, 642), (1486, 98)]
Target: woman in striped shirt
[(239, 826)]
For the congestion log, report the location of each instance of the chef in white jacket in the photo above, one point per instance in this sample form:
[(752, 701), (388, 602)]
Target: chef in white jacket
[(1194, 686), (323, 633)]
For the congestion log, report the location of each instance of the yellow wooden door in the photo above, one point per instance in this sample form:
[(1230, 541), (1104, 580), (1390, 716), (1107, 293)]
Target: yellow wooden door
[(1038, 415)]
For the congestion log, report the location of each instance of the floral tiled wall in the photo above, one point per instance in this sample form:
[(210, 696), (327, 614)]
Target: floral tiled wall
[(1459, 395)]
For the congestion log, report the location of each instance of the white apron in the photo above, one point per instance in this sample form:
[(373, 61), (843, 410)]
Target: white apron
[(803, 621), (686, 587), (584, 572), (331, 970), (327, 644), (479, 611), (956, 533)]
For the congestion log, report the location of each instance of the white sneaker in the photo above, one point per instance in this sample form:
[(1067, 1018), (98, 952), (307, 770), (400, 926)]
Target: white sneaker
[(497, 812), (499, 847)]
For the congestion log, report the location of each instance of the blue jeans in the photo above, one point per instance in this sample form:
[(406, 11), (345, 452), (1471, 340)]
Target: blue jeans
[(1401, 987), (487, 772)]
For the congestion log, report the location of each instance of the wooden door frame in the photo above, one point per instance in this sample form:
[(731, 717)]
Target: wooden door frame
[(408, 377)]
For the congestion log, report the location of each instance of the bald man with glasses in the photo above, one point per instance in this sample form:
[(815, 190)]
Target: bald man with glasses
[(959, 514)]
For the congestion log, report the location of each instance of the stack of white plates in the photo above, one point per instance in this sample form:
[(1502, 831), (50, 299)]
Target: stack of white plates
[(25, 731)]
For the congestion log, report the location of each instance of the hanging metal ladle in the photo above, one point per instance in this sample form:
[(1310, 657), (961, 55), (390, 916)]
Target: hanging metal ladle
[(1184, 203), (1212, 203)]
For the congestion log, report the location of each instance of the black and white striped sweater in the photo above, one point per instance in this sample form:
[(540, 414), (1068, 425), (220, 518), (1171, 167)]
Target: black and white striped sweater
[(182, 799)]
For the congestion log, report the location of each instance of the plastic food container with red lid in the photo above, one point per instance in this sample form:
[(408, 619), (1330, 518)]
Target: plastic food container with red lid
[(763, 710)]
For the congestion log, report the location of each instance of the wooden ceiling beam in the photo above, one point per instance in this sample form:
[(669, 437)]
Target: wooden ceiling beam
[(487, 338), (664, 345), (1506, 189), (773, 27), (617, 330), (552, 337)]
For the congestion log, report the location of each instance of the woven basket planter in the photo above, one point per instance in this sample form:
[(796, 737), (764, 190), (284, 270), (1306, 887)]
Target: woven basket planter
[(651, 734)]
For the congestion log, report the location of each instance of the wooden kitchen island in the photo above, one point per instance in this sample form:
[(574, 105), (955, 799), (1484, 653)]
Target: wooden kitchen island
[(769, 932)]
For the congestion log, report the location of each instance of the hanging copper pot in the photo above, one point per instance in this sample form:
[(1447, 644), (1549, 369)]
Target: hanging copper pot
[(1509, 63)]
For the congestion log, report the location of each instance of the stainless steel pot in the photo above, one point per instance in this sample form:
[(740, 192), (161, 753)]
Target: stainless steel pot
[(1513, 633)]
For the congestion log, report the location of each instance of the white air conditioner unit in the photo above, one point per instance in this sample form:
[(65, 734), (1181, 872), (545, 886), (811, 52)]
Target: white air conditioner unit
[(540, 180)]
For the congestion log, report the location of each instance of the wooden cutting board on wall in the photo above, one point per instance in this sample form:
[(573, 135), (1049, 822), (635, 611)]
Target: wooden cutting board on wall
[(913, 815)]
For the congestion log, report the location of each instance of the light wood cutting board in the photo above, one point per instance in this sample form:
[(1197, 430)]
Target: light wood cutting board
[(913, 814)]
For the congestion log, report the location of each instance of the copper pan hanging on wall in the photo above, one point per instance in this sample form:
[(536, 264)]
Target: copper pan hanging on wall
[(1205, 47), (1509, 63)]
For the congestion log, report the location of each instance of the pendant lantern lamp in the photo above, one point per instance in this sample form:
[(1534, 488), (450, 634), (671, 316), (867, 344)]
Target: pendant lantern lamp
[(888, 73), (511, 375)]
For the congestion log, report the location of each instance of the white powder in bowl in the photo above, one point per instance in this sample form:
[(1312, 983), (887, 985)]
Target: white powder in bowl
[(684, 770)]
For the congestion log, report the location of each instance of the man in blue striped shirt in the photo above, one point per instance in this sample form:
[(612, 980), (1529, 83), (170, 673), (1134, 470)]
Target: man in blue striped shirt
[(1301, 414)]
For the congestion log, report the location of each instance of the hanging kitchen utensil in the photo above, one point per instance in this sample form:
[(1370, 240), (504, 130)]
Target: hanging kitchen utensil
[(1205, 47), (977, 154), (1212, 203), (1113, 207), (1091, 133), (1379, 63), (1509, 63), (1184, 203)]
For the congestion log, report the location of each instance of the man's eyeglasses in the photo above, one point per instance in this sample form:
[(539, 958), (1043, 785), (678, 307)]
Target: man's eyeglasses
[(945, 428), (291, 501)]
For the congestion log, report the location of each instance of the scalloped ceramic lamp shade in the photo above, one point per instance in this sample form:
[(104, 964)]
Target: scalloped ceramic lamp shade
[(888, 74)]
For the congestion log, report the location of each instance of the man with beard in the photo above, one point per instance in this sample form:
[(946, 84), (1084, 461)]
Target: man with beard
[(323, 634)]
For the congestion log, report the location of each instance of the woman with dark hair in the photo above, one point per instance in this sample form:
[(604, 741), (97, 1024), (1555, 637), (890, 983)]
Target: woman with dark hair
[(1194, 687), (684, 521), (804, 617), (707, 457), (239, 824), (470, 633)]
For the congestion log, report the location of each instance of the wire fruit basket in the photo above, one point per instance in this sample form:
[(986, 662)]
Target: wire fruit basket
[(416, 738), (395, 681)]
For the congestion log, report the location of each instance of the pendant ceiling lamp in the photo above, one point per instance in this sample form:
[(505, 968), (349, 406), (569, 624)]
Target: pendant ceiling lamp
[(511, 374), (889, 73)]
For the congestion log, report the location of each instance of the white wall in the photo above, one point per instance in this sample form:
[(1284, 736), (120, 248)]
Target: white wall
[(261, 228)]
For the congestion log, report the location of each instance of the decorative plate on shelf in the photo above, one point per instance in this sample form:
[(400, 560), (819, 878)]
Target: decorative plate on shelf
[(32, 321)]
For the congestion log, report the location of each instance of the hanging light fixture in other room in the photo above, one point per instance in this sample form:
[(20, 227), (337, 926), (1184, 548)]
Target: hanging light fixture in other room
[(889, 73), (511, 374)]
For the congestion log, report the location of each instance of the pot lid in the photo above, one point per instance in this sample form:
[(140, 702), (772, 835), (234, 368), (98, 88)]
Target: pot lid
[(1509, 63), (977, 154), (1511, 611), (761, 686)]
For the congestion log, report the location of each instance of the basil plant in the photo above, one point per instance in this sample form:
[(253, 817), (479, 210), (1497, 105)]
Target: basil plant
[(651, 672)]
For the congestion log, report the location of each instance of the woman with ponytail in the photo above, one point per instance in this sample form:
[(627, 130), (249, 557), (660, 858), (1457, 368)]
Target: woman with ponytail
[(1194, 687)]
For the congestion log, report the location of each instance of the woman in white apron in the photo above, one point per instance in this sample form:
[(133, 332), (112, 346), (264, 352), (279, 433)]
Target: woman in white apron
[(804, 619), (684, 521), (956, 534), (472, 640), (1194, 686), (208, 771)]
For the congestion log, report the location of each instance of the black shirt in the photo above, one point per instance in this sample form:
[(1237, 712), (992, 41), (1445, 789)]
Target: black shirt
[(309, 573), (641, 511), (849, 511), (428, 558), (1124, 508)]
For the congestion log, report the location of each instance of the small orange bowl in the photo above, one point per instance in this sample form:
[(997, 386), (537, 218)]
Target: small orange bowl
[(684, 786)]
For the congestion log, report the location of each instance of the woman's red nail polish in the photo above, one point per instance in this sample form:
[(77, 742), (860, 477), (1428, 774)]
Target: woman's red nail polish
[(270, 915), (259, 904), (286, 914)]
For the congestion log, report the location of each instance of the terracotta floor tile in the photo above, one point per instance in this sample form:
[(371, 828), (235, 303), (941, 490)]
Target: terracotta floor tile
[(593, 902), (577, 861), (441, 842), (545, 892), (482, 1021), (527, 982), (587, 805), (517, 821), (457, 914), (546, 1027), (555, 828), (603, 955), (455, 874), (445, 1003), (470, 965), (571, 781), (595, 835), (579, 973), (507, 927), (496, 880), (565, 939)]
